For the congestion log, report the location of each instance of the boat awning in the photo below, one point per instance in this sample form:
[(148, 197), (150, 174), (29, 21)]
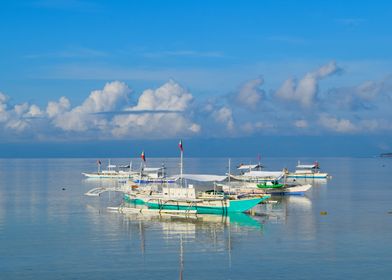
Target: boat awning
[(265, 174), (249, 166), (152, 169), (201, 177), (306, 166)]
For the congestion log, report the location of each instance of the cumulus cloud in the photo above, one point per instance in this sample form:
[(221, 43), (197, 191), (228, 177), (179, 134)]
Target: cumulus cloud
[(224, 116), (170, 110), (336, 124), (162, 112), (57, 108), (305, 90), (3, 107), (301, 124), (81, 118), (250, 93), (172, 97), (258, 126)]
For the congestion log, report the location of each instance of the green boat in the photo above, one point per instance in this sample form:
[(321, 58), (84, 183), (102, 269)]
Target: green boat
[(270, 185)]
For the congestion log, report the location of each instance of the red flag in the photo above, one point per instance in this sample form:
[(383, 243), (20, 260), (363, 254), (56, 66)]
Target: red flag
[(180, 146), (143, 156)]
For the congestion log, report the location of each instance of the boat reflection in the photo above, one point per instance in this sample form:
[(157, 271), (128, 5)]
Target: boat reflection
[(313, 181), (278, 209)]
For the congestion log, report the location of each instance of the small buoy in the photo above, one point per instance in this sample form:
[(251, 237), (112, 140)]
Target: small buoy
[(323, 213), (63, 189)]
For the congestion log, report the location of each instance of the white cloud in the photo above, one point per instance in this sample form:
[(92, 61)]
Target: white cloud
[(224, 116), (3, 107), (337, 125), (34, 111), (57, 108), (82, 118), (305, 91), (252, 127), (250, 93), (301, 124), (368, 90), (170, 96)]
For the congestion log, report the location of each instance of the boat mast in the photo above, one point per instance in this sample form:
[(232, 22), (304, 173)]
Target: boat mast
[(181, 161), (229, 169), (99, 166)]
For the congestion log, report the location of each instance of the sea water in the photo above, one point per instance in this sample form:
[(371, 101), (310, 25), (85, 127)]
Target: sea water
[(341, 228)]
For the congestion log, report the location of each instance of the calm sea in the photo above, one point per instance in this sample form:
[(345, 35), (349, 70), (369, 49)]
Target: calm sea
[(50, 230)]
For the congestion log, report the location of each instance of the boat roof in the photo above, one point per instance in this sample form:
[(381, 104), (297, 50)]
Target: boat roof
[(202, 177), (265, 174), (152, 169), (307, 166), (248, 166)]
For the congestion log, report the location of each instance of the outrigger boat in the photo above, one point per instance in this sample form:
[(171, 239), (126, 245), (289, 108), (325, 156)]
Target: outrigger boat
[(187, 199), (266, 188), (304, 171), (110, 172), (257, 176), (153, 175)]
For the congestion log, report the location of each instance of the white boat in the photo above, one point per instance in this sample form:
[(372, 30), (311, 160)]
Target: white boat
[(149, 175), (253, 189), (253, 173), (111, 172), (311, 171), (257, 176)]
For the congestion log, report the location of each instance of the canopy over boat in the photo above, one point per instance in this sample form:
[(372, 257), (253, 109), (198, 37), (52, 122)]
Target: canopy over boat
[(201, 177), (248, 166), (307, 166), (152, 169), (265, 174)]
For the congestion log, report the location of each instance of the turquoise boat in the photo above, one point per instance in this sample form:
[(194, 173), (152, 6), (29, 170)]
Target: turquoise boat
[(218, 206), (186, 199)]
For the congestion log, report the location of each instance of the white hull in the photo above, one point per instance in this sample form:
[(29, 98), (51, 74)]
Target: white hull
[(108, 176), (253, 189), (308, 175), (299, 190)]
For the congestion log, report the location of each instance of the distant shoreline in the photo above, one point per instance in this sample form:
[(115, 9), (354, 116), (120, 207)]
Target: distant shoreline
[(386, 155)]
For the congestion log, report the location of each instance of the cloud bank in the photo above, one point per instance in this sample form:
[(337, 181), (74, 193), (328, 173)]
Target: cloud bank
[(297, 107)]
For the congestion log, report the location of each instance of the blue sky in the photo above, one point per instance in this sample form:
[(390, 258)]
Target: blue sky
[(157, 70)]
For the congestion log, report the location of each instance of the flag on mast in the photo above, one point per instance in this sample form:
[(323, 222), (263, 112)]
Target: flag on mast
[(180, 146), (143, 156), (98, 162)]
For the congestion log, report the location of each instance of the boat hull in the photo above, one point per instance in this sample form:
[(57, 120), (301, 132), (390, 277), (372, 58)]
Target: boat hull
[(297, 190), (154, 181), (208, 206), (106, 176), (308, 176)]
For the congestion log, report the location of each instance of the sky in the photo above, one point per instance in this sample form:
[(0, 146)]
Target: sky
[(137, 72)]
